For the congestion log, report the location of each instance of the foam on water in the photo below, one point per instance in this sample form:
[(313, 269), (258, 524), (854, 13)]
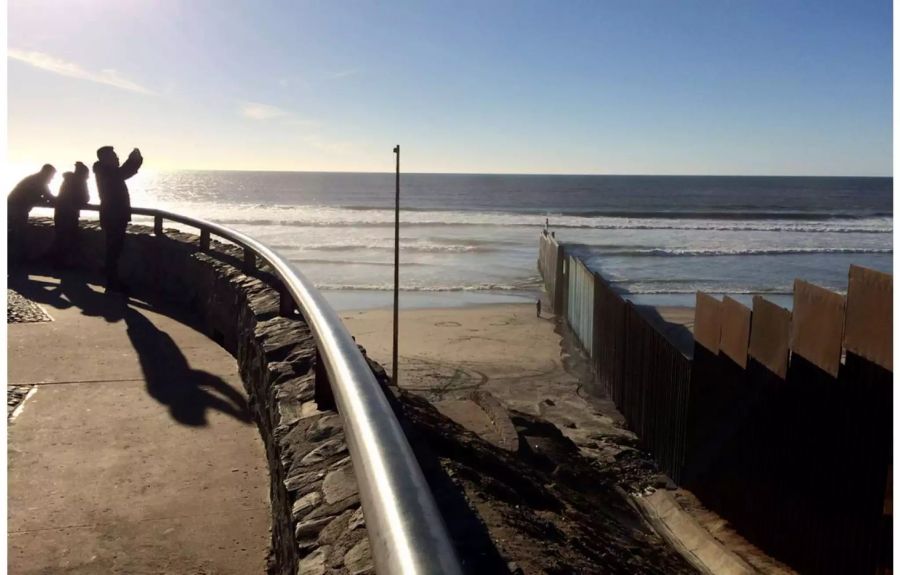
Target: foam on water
[(655, 237)]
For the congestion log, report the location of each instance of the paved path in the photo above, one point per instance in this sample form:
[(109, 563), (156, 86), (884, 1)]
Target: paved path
[(135, 453)]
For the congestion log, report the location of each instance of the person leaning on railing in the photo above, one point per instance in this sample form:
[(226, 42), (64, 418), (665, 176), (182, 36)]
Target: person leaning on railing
[(73, 194), (115, 206), (33, 190)]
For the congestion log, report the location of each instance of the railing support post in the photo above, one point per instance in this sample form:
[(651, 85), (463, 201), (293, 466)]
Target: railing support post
[(249, 258), (285, 302), (204, 240), (324, 396), (157, 226)]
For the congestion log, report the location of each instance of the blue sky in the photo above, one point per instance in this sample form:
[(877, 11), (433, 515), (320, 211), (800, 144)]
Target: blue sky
[(625, 87)]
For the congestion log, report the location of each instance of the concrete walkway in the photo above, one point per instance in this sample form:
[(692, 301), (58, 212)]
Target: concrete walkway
[(135, 453)]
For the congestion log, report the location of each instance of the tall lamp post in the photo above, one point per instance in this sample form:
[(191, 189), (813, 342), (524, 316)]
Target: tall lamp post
[(394, 372)]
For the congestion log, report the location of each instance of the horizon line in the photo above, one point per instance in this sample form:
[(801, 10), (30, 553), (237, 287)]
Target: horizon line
[(558, 174)]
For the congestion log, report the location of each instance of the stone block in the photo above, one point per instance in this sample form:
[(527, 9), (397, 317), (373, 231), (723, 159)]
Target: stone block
[(339, 484)]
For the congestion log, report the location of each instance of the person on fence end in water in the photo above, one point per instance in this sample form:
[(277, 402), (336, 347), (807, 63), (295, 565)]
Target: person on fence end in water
[(73, 194), (33, 190), (115, 206)]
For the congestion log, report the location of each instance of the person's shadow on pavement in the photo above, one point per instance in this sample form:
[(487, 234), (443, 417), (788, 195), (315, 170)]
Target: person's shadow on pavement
[(171, 381), (73, 290)]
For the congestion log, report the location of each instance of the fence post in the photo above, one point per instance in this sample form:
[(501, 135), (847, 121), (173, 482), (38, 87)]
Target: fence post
[(324, 396), (249, 258), (204, 240), (157, 226), (285, 302)]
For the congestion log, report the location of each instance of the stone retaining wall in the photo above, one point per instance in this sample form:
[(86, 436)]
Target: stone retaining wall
[(317, 521)]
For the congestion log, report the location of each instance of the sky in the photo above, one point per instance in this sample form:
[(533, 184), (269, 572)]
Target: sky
[(779, 87)]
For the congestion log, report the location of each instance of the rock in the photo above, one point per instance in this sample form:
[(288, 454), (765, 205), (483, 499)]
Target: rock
[(311, 528), (20, 309), (570, 425), (505, 436), (339, 484), (357, 520), (309, 409), (340, 462), (307, 545), (330, 510), (663, 482), (314, 563), (302, 481), (336, 527), (305, 504), (289, 411), (358, 560), (549, 402), (514, 568), (325, 428), (324, 451), (301, 388)]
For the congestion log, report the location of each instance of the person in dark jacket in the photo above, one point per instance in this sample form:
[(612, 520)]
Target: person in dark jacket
[(32, 191), (73, 194), (115, 206)]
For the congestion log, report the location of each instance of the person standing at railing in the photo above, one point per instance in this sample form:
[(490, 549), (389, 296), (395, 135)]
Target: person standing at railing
[(73, 194), (115, 206), (34, 190)]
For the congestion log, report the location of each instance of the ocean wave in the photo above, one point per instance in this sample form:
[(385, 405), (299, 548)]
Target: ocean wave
[(862, 226), (380, 247), (732, 214), (405, 264), (676, 252), (487, 287), (637, 289), (319, 216)]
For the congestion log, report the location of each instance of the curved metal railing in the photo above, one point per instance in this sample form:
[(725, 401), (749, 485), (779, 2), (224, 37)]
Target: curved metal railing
[(406, 532)]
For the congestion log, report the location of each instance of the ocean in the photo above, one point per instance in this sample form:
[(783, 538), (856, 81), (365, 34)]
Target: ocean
[(470, 239)]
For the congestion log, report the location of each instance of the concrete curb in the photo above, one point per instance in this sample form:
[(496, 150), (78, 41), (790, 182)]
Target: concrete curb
[(688, 537)]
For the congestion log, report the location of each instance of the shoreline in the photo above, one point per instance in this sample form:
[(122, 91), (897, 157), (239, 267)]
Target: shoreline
[(371, 300), (368, 300)]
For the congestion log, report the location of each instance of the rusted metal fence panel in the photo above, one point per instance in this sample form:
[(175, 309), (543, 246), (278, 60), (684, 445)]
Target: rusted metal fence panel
[(643, 373), (795, 454), (610, 333), (869, 323), (735, 335), (770, 336), (818, 325), (707, 321), (766, 424)]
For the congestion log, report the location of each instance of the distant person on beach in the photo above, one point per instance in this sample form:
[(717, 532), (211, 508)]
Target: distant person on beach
[(73, 194), (539, 308), (33, 190), (115, 206)]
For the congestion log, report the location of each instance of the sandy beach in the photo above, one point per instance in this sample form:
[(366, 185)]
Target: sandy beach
[(447, 353), (526, 362)]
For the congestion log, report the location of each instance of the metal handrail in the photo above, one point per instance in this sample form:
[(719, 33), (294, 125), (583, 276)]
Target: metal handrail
[(406, 531)]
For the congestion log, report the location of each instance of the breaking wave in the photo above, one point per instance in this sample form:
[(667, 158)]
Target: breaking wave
[(658, 252), (323, 216)]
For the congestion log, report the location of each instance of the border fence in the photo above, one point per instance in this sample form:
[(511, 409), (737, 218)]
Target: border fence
[(780, 421)]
